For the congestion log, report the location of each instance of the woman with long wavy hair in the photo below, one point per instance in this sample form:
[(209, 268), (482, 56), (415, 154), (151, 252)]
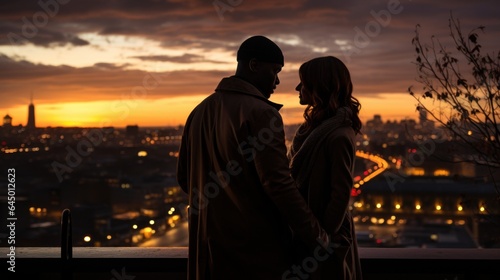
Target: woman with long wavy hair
[(322, 161)]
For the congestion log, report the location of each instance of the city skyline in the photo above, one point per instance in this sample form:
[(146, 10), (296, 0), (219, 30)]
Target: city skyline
[(129, 179), (91, 64), (29, 121)]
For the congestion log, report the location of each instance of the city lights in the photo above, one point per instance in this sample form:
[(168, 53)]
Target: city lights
[(138, 164)]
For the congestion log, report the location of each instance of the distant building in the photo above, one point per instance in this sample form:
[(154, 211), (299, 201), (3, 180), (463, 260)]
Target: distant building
[(132, 130), (7, 121), (396, 199), (422, 116), (31, 116), (375, 123), (424, 122)]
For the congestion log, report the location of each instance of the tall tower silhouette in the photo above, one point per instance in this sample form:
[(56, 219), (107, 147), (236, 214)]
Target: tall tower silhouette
[(31, 114)]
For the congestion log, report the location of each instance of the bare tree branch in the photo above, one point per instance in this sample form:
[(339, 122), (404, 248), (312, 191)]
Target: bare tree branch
[(461, 91)]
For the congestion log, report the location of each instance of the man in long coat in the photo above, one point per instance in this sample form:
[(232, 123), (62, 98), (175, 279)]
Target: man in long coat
[(243, 204)]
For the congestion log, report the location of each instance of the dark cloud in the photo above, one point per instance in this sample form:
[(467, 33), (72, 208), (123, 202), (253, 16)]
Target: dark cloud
[(203, 24), (110, 66), (102, 81), (186, 58), (372, 37), (13, 35)]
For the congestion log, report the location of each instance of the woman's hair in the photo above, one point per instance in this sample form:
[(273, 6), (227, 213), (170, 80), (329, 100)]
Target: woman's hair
[(328, 82)]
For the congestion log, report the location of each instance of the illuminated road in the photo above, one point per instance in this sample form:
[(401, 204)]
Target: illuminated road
[(176, 237), (380, 166)]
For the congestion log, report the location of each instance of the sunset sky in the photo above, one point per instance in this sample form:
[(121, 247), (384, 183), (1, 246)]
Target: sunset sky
[(101, 63)]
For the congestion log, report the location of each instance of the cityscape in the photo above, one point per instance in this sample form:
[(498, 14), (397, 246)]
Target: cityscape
[(120, 186)]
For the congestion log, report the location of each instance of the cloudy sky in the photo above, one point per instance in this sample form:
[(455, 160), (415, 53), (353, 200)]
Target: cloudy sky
[(96, 63)]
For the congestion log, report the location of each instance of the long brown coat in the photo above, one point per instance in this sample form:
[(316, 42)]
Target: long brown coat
[(327, 190), (243, 201)]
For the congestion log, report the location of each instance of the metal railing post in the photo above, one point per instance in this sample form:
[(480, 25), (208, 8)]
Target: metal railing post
[(66, 245)]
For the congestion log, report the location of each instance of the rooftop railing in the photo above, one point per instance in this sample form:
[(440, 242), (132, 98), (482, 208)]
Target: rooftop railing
[(170, 263)]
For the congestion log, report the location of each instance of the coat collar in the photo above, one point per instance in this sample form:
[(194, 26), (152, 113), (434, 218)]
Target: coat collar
[(241, 86)]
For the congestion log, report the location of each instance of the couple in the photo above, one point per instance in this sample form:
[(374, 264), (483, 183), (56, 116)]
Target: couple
[(254, 212)]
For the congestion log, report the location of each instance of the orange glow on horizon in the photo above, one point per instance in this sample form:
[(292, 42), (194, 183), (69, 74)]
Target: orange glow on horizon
[(174, 111)]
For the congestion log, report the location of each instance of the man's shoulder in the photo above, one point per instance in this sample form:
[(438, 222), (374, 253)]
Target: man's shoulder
[(245, 91)]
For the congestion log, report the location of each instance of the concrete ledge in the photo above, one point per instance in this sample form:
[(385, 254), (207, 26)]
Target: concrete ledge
[(430, 253), (104, 252), (182, 253), (170, 263)]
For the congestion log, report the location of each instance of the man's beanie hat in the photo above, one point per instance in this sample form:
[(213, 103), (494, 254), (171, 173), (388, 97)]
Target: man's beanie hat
[(260, 48)]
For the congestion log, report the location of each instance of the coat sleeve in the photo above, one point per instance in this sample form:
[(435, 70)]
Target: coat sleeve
[(183, 161), (273, 169), (341, 152)]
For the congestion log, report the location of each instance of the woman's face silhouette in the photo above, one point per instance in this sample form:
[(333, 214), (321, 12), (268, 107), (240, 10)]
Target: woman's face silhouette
[(304, 94)]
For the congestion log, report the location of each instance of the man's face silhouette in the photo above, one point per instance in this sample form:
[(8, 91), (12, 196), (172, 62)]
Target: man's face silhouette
[(267, 76)]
